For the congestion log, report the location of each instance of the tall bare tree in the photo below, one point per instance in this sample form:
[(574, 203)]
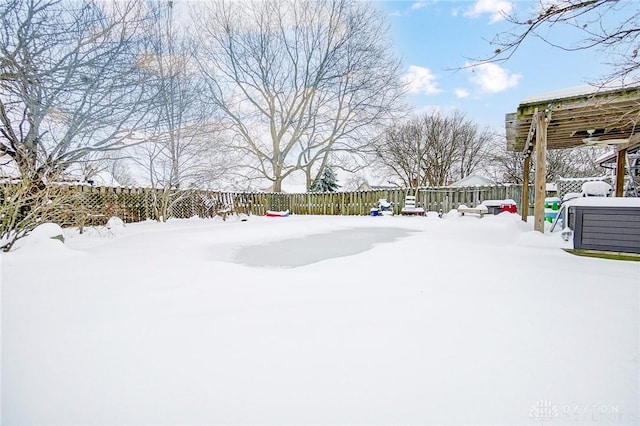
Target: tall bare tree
[(508, 166), (178, 146), (609, 26), (69, 87), (431, 149), (69, 84), (298, 80)]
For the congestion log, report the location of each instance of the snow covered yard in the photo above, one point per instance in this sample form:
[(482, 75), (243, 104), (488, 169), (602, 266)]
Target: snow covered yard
[(401, 320)]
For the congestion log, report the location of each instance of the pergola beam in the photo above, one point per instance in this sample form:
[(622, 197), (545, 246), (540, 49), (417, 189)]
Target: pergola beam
[(541, 170)]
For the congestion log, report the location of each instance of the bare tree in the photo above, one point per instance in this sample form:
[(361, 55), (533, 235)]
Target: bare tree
[(610, 26), (355, 182), (117, 168), (69, 87), (508, 166), (433, 148), (474, 145), (178, 144), (69, 84), (298, 80), (402, 149)]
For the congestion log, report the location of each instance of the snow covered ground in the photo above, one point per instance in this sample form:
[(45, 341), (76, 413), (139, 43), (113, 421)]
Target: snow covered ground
[(324, 320)]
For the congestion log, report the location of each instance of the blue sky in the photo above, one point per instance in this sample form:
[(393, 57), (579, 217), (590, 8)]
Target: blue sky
[(434, 37)]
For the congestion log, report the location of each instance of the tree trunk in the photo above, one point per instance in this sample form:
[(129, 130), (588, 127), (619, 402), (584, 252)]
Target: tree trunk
[(277, 184)]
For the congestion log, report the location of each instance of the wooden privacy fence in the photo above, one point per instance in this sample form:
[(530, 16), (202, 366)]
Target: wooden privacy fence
[(361, 202), (96, 204)]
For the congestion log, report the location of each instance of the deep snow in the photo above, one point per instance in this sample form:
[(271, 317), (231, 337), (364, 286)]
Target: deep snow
[(458, 320)]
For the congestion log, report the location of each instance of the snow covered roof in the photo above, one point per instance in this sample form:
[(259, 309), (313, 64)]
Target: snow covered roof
[(288, 188), (473, 180), (294, 188), (575, 92), (606, 157)]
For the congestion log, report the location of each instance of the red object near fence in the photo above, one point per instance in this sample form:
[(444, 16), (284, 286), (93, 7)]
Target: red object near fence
[(511, 208)]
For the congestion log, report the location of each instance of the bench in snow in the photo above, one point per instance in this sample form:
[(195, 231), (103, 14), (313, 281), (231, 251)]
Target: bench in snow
[(410, 207), (479, 210), (412, 211)]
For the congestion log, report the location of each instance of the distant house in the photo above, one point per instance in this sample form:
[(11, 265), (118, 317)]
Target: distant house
[(287, 188), (364, 186), (473, 180)]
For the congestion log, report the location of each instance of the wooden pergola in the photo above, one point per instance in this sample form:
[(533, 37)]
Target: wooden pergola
[(568, 119)]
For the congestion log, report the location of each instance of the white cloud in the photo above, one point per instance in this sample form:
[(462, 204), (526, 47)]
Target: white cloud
[(492, 78), (461, 93), (421, 80), (398, 13), (497, 9), (418, 5)]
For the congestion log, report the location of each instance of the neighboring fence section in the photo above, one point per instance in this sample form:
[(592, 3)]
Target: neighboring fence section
[(96, 204)]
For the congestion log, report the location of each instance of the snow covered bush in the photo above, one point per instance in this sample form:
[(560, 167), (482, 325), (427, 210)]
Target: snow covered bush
[(25, 205), (46, 231), (116, 225)]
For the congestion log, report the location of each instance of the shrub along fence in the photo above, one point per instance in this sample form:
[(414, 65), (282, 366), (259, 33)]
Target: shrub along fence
[(89, 205)]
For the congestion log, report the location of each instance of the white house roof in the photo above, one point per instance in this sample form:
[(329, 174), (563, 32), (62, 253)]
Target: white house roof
[(473, 180)]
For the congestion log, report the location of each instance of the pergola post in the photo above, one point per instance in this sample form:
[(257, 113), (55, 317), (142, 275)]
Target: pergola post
[(621, 161), (524, 208), (541, 170)]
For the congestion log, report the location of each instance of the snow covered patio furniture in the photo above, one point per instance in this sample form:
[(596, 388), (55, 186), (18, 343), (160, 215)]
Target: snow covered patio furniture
[(596, 188), (480, 209), (493, 206), (410, 208), (500, 206), (384, 207)]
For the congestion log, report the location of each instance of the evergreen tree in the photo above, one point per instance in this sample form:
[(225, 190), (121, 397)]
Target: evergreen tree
[(326, 183)]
